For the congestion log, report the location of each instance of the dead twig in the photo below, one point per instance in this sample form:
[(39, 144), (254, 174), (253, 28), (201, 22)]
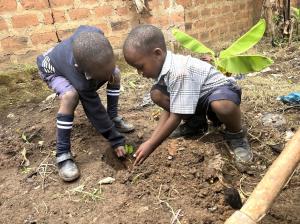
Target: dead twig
[(175, 215)]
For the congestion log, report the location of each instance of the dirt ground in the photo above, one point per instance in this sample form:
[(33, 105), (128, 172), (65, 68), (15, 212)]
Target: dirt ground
[(187, 188)]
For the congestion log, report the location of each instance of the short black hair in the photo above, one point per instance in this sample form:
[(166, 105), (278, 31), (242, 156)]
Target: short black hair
[(92, 50), (145, 38)]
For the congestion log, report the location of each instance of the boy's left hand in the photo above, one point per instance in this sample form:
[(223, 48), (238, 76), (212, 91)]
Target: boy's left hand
[(120, 151)]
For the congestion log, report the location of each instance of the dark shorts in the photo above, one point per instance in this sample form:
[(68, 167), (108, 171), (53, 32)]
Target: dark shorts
[(231, 91)]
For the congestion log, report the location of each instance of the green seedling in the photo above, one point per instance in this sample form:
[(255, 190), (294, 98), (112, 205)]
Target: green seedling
[(231, 60), (129, 149), (26, 170)]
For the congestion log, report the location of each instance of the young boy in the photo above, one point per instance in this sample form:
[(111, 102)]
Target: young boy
[(75, 69), (184, 86)]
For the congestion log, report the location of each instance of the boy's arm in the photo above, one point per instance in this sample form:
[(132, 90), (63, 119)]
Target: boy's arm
[(96, 113), (167, 124)]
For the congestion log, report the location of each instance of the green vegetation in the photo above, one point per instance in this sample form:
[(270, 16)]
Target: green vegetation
[(231, 60)]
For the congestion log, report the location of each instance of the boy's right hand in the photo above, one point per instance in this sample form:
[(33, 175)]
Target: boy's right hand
[(120, 151), (143, 152)]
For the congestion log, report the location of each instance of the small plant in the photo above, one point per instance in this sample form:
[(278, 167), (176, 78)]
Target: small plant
[(129, 149), (231, 60)]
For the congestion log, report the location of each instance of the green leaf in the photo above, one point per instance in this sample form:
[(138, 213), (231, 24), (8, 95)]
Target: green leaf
[(191, 43), (244, 63), (296, 13), (247, 41), (128, 149)]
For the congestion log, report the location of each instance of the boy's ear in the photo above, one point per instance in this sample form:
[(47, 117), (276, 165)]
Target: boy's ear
[(158, 51)]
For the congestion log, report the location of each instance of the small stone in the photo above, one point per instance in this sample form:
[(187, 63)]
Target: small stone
[(11, 116), (213, 209), (140, 135), (107, 180), (170, 157), (142, 209)]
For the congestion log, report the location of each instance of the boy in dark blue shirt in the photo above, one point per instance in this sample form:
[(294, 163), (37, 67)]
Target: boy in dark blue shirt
[(75, 69)]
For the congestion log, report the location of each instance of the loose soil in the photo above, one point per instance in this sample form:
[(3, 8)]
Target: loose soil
[(189, 186)]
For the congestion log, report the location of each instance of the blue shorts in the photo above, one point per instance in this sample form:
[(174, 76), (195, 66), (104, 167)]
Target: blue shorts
[(230, 91)]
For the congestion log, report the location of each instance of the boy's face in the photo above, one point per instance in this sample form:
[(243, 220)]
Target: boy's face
[(149, 64)]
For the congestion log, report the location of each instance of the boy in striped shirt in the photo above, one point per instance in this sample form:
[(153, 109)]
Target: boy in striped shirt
[(75, 69), (184, 87)]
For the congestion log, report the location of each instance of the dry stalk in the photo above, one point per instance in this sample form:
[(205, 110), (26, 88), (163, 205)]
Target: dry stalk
[(44, 170), (241, 188), (175, 215)]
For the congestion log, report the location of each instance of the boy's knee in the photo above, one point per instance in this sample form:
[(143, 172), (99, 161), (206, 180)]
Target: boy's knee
[(70, 98), (224, 107)]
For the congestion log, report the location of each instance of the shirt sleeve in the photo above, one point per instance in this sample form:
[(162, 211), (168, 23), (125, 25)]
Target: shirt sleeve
[(98, 116)]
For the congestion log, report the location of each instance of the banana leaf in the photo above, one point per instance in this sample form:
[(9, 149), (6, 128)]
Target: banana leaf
[(247, 41), (191, 43), (296, 13), (244, 63)]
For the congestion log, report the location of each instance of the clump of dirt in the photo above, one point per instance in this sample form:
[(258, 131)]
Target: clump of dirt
[(183, 181)]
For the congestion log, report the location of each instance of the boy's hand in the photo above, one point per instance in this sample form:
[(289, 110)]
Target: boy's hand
[(120, 151), (142, 153)]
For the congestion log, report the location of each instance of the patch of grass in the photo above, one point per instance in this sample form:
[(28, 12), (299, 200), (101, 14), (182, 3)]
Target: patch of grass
[(87, 195)]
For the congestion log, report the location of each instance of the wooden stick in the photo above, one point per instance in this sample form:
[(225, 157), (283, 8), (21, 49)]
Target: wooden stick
[(270, 186)]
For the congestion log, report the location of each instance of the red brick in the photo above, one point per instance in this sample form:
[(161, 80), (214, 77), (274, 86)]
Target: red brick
[(59, 16), (24, 21), (3, 25), (119, 25), (64, 34), (122, 11), (198, 2), (77, 14), (177, 17), (8, 5), (199, 25), (104, 11), (13, 43), (43, 38), (153, 4), (104, 27), (48, 18), (34, 4), (61, 2), (205, 12), (166, 4), (89, 1), (185, 3)]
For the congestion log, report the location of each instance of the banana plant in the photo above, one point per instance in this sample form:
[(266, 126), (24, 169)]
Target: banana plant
[(296, 15), (232, 59)]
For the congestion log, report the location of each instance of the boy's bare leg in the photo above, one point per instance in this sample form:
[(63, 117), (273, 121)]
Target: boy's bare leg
[(68, 170), (230, 114)]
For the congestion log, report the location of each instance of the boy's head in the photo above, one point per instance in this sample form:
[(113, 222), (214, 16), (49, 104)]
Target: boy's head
[(94, 55), (145, 49)]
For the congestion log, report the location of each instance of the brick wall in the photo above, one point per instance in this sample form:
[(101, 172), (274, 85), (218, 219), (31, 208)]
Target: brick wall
[(29, 27)]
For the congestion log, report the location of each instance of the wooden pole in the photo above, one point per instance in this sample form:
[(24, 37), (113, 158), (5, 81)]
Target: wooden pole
[(270, 186)]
